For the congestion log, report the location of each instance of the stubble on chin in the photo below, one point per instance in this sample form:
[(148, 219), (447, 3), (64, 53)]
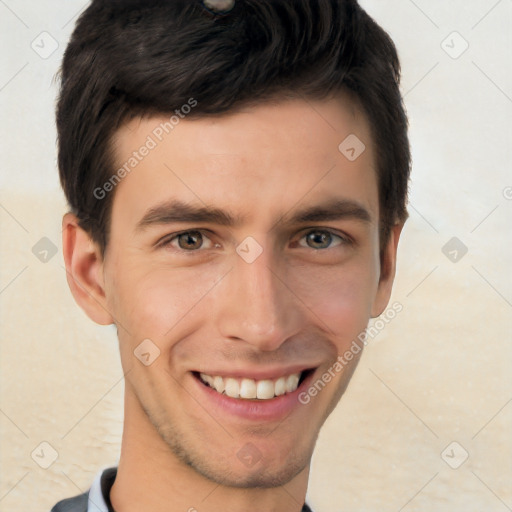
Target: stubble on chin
[(218, 468)]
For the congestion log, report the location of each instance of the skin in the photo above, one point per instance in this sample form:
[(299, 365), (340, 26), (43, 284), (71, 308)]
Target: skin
[(301, 302)]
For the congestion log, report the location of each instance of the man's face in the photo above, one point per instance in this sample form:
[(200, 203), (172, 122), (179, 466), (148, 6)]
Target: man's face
[(264, 296)]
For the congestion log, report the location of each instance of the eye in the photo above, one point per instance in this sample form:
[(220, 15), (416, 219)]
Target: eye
[(319, 239), (188, 241)]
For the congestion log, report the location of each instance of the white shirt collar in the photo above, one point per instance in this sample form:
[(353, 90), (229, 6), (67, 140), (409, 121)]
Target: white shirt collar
[(96, 503)]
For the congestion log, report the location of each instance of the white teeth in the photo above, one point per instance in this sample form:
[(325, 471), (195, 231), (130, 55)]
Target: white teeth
[(218, 384), (232, 388), (280, 386), (265, 389), (250, 389), (291, 382), (207, 379)]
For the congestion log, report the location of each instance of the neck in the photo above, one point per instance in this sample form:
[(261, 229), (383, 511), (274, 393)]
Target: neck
[(151, 477)]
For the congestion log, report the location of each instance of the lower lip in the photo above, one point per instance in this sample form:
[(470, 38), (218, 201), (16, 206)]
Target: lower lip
[(255, 410)]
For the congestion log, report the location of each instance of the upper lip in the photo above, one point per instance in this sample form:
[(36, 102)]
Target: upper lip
[(258, 373)]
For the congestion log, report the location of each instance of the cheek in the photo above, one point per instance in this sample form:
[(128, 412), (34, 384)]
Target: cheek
[(153, 302), (341, 297)]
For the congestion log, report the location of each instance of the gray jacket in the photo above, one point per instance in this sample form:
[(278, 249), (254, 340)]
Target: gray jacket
[(81, 503), (77, 504)]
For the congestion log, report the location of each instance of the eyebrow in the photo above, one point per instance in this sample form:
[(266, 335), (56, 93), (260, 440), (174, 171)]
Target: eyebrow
[(176, 211), (337, 209)]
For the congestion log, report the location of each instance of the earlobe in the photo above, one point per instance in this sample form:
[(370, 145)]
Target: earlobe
[(84, 270), (387, 274)]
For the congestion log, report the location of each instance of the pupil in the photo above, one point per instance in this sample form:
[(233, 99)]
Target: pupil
[(323, 239), (192, 240)]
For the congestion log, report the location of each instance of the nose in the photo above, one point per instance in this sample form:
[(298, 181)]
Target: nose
[(258, 305)]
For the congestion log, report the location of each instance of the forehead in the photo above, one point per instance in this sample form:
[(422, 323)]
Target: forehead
[(257, 163)]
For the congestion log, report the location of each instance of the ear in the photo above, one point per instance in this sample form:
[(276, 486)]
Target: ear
[(387, 271), (84, 270)]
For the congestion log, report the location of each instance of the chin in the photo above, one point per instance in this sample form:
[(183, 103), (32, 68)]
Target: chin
[(260, 476), (273, 470)]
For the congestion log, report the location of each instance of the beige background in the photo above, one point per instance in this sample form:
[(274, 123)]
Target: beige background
[(438, 373)]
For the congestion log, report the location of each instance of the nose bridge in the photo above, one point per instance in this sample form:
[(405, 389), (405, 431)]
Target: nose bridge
[(257, 306)]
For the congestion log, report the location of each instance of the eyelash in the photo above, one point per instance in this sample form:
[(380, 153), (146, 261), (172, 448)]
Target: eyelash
[(166, 241)]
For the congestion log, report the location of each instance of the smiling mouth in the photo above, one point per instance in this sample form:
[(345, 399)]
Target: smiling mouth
[(250, 389)]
